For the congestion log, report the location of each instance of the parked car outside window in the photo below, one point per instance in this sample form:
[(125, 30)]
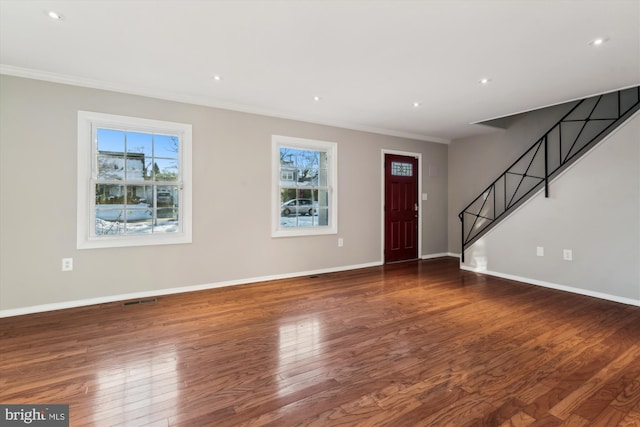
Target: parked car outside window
[(164, 198), (299, 207)]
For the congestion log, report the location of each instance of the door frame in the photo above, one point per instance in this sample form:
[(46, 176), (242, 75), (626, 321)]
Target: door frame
[(382, 189)]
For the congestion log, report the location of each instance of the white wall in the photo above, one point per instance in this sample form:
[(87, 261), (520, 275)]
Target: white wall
[(231, 201), (594, 210)]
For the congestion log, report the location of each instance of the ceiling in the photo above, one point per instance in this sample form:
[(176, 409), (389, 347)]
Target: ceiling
[(368, 61)]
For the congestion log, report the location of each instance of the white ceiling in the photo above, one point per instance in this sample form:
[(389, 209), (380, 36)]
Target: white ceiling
[(369, 61)]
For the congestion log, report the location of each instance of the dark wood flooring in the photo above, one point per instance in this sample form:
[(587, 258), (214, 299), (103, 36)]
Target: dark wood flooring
[(412, 344)]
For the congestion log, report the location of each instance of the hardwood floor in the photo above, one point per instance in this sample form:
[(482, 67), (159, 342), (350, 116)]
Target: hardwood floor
[(419, 343)]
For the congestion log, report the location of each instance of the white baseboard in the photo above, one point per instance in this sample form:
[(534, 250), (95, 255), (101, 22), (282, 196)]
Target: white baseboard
[(555, 286), (440, 255), (158, 292)]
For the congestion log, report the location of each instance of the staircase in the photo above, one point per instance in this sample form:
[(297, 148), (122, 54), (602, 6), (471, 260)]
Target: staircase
[(588, 123)]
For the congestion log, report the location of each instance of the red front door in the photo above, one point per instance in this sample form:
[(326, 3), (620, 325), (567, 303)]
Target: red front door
[(400, 208)]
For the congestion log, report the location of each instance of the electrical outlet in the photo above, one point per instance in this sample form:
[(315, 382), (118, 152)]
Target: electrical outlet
[(340, 242), (540, 251), (67, 264), (567, 254)]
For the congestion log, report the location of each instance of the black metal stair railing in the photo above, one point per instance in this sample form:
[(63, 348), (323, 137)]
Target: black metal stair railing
[(587, 123)]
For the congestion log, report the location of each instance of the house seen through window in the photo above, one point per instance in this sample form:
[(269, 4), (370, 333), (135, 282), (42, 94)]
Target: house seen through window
[(137, 187)]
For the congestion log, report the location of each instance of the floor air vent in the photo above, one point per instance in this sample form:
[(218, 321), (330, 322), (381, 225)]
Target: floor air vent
[(140, 301)]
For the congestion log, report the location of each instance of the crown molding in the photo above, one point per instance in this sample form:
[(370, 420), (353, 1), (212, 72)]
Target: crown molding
[(204, 101)]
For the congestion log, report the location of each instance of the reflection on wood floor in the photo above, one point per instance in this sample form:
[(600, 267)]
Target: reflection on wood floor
[(418, 343)]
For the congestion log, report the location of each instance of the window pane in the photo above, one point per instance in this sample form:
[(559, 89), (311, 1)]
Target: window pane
[(138, 214), (289, 220), (322, 180), (322, 215), (139, 222), (303, 162), (140, 195), (308, 176), (167, 214), (401, 169), (165, 169), (167, 196), (323, 207), (139, 156), (110, 213), (322, 197), (307, 194), (166, 146), (140, 143), (287, 158), (167, 221), (108, 194), (288, 208), (308, 159), (109, 221), (135, 167), (110, 140), (110, 165), (296, 205), (307, 221)]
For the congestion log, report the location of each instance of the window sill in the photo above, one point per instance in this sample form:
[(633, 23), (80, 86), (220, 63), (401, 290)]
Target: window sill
[(131, 241), (298, 232)]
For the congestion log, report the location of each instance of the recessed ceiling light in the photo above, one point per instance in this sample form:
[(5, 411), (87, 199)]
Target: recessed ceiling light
[(599, 41), (316, 98), (485, 81), (53, 15), (417, 104), (216, 77)]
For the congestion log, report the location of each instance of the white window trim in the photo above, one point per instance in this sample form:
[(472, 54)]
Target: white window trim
[(86, 197), (331, 148)]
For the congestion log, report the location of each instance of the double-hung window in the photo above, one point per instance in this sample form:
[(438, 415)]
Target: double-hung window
[(304, 200), (134, 181)]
